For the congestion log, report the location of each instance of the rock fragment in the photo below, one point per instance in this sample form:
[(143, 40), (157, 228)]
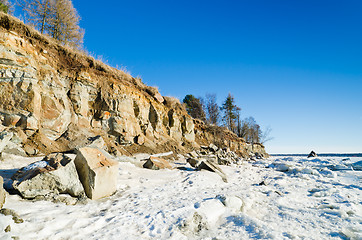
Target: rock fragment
[(97, 173), (55, 174), (2, 193), (210, 166), (156, 163), (7, 212)]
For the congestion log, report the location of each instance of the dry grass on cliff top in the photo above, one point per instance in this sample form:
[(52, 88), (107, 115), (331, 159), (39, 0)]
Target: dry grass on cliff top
[(74, 61), (66, 58)]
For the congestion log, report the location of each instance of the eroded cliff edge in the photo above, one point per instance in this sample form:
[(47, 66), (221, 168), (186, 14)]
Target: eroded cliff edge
[(54, 99)]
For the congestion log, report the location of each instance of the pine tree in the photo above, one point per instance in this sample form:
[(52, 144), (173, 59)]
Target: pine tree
[(194, 107), (230, 111)]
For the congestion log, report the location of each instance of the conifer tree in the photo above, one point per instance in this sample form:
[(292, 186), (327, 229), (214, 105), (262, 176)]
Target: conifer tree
[(194, 107), (230, 111)]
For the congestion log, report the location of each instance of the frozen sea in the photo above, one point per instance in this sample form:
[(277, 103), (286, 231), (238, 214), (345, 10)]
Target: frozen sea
[(283, 197)]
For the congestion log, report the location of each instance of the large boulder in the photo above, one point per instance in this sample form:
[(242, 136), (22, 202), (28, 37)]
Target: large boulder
[(156, 163), (97, 172), (2, 193), (210, 166), (55, 174)]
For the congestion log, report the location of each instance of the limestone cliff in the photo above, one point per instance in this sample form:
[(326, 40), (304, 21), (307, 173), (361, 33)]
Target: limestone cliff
[(54, 99)]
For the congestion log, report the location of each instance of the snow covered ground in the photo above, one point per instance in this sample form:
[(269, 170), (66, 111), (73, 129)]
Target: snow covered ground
[(277, 198)]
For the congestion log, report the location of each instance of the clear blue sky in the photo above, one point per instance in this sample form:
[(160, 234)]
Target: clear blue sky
[(293, 65)]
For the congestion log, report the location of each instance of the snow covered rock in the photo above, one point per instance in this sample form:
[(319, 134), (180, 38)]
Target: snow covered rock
[(97, 172), (156, 163), (5, 138), (232, 202), (2, 193), (312, 154), (209, 212), (210, 166), (55, 174), (357, 166)]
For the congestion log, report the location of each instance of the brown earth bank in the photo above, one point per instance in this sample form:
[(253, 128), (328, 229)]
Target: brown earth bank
[(55, 99)]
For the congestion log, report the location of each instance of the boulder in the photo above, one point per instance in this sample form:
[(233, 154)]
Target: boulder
[(55, 174), (193, 162), (97, 172), (210, 166), (258, 155), (2, 192), (312, 154), (213, 147), (156, 163), (193, 154), (233, 202), (5, 138), (96, 142), (224, 161)]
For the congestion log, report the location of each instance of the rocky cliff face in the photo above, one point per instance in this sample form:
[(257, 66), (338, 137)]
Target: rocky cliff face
[(54, 99)]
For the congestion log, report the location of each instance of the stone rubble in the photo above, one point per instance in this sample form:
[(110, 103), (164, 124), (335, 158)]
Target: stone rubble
[(55, 174), (2, 193), (156, 163)]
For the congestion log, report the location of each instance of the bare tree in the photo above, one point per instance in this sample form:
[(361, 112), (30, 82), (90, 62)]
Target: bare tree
[(250, 130), (212, 109), (265, 135), (38, 12), (58, 18), (64, 25)]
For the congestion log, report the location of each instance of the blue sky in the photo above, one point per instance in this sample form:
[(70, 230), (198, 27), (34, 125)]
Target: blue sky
[(293, 65)]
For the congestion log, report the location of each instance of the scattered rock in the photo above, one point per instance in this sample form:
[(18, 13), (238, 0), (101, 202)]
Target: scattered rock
[(16, 217), (8, 229), (156, 163), (97, 173), (96, 142), (223, 161), (193, 154), (213, 147), (55, 174), (210, 166), (2, 192), (193, 162), (312, 154), (30, 150), (258, 156), (5, 138)]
